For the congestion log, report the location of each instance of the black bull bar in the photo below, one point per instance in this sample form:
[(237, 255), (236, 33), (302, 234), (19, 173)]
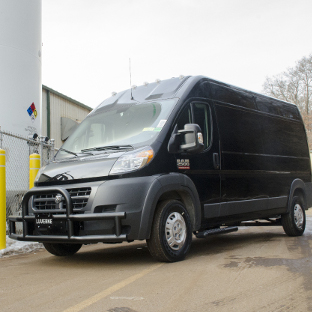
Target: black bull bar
[(65, 214)]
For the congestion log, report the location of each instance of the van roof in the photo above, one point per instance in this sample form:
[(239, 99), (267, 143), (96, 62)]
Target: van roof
[(181, 86)]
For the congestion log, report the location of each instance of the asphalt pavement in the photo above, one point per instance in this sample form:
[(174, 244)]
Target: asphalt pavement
[(254, 269)]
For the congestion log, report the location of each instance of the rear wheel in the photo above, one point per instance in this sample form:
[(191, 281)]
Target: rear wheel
[(171, 234), (62, 249), (294, 221)]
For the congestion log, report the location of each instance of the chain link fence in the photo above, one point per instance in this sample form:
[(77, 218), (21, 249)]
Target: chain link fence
[(17, 151)]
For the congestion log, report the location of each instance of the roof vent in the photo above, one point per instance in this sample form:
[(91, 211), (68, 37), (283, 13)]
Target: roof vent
[(145, 83), (114, 93), (158, 80), (181, 77)]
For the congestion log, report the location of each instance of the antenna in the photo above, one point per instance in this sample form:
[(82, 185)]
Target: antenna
[(130, 77)]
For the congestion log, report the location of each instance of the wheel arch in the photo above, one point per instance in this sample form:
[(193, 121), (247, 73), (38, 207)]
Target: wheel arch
[(174, 186), (298, 188), (183, 196)]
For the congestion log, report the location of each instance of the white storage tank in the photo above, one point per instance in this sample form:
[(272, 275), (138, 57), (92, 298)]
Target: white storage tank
[(20, 66)]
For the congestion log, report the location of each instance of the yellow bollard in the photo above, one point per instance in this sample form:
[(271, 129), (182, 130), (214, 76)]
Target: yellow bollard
[(2, 201), (34, 166)]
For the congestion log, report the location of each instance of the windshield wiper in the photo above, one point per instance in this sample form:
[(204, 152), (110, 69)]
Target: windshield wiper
[(67, 151), (108, 147)]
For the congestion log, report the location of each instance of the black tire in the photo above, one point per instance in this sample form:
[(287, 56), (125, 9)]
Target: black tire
[(294, 221), (171, 234), (62, 249)]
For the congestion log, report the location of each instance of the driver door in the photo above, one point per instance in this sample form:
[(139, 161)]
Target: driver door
[(203, 168)]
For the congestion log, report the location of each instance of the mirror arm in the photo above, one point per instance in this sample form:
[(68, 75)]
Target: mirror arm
[(184, 132), (174, 141)]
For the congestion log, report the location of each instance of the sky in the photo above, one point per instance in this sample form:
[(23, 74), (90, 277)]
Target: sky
[(87, 44)]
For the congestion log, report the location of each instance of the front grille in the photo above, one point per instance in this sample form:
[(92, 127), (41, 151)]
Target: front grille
[(86, 191), (79, 198)]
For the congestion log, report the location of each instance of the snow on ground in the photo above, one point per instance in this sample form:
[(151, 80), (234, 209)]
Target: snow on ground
[(14, 247)]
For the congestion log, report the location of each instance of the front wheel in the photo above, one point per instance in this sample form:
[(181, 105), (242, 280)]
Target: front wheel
[(171, 234), (62, 249), (294, 221)]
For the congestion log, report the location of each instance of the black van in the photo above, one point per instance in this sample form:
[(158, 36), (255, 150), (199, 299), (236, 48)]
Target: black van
[(167, 160)]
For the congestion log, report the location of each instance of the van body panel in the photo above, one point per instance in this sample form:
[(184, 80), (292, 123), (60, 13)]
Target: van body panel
[(231, 208), (75, 169)]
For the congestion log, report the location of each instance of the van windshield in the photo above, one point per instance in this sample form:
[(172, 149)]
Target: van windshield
[(118, 125)]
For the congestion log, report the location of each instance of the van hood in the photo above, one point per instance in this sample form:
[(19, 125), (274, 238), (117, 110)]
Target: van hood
[(77, 168)]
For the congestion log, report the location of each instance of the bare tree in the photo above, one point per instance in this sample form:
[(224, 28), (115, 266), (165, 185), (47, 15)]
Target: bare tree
[(295, 86)]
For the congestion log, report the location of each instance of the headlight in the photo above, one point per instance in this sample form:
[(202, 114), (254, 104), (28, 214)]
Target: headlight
[(133, 160)]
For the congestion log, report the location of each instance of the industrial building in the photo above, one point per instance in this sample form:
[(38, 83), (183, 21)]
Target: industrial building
[(60, 115)]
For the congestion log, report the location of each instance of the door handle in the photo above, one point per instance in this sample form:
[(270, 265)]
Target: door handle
[(216, 161)]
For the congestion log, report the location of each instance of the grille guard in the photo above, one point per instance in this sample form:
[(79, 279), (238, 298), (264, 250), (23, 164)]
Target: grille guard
[(69, 216)]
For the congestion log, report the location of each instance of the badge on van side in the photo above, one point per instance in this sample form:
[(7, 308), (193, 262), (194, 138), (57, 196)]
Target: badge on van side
[(183, 163)]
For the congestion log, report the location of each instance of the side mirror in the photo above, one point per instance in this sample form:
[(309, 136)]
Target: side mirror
[(190, 139)]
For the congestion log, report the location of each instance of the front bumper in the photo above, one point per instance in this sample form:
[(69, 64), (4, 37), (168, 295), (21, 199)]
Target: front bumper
[(68, 225)]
